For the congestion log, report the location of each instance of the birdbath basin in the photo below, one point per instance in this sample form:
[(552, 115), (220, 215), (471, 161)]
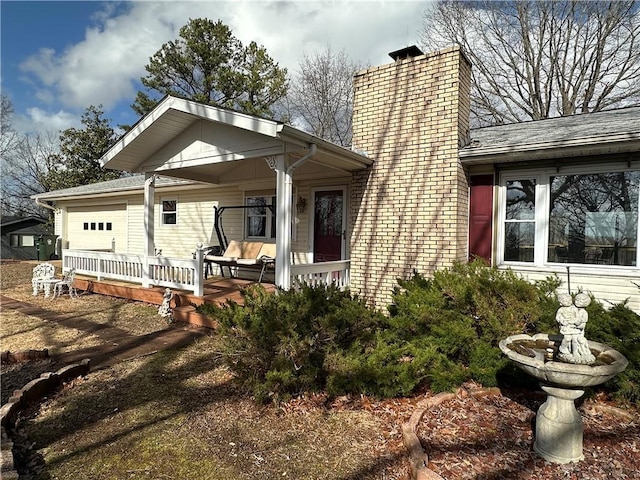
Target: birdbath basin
[(537, 355), (559, 429)]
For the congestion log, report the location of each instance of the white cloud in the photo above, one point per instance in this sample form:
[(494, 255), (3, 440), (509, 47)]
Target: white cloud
[(37, 120), (104, 68)]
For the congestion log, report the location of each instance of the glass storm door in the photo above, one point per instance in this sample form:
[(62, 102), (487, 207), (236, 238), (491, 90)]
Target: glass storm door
[(328, 231)]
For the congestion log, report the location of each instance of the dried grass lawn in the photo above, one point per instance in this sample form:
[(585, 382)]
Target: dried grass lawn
[(178, 414)]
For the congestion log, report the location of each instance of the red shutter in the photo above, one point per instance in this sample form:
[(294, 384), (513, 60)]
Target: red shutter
[(480, 216)]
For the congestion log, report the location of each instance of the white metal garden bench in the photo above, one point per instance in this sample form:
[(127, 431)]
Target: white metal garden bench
[(43, 278)]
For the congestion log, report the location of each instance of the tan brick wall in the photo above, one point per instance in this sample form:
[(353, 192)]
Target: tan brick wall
[(409, 210)]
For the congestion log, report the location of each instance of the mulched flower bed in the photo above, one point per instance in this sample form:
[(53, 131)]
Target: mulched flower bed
[(491, 438), (16, 375)]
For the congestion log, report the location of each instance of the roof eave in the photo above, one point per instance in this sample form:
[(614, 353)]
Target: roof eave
[(623, 143), (293, 135)]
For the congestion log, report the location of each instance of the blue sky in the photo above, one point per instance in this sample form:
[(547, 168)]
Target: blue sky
[(57, 58)]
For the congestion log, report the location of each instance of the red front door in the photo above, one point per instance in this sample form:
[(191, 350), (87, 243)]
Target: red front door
[(328, 229), (480, 216)]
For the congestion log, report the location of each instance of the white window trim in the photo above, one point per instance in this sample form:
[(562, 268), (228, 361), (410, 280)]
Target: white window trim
[(162, 212), (502, 214), (542, 199), (269, 235), (272, 195)]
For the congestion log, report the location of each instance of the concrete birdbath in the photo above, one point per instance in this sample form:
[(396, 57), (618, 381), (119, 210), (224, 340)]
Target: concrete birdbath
[(564, 365)]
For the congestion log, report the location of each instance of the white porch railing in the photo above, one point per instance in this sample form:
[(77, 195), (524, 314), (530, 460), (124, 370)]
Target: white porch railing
[(324, 273), (180, 273), (183, 273)]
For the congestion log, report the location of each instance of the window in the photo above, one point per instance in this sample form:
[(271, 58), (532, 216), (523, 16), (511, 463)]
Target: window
[(18, 240), (520, 224), (571, 217), (260, 220), (169, 212), (593, 219), (27, 240)]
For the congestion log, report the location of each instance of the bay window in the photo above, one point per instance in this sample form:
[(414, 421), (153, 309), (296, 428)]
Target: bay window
[(570, 217)]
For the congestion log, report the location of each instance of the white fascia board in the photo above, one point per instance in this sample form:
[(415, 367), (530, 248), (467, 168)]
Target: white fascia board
[(142, 124), (228, 117), (207, 112), (303, 139)]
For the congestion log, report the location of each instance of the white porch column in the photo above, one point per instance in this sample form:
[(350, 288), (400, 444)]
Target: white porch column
[(149, 229), (284, 189)]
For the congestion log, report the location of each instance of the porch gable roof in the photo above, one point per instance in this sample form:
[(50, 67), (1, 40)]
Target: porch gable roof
[(205, 136)]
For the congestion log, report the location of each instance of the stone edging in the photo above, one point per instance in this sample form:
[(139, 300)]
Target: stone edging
[(31, 393), (419, 460)]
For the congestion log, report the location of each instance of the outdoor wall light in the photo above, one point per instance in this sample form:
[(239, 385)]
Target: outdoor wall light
[(301, 205)]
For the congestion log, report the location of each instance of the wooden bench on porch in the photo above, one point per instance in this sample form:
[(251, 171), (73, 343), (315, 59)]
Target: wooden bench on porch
[(244, 254)]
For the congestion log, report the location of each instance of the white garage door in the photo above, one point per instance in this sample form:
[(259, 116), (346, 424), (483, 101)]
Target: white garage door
[(95, 227)]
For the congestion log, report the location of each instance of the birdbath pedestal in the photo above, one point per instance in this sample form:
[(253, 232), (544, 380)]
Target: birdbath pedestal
[(559, 426)]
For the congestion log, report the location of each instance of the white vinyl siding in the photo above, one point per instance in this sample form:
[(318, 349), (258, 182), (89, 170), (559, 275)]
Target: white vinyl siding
[(608, 287), (196, 220)]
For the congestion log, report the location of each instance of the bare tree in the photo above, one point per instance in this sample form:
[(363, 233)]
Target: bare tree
[(26, 171), (8, 136), (541, 59), (320, 98)]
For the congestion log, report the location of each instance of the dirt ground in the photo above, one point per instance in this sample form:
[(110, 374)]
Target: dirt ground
[(184, 417)]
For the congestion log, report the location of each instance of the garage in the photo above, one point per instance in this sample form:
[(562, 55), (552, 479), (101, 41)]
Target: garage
[(95, 227)]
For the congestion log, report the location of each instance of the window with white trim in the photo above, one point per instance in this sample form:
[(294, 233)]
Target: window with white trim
[(575, 217), (260, 220), (169, 212), (520, 220)]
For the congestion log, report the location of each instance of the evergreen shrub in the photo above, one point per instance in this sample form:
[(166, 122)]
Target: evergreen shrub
[(278, 344), (464, 311), (440, 332), (619, 328)]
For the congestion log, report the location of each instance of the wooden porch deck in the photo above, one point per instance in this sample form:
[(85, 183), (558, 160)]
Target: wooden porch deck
[(216, 290)]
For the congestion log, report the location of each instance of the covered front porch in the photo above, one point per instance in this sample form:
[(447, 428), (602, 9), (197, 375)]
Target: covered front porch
[(221, 152)]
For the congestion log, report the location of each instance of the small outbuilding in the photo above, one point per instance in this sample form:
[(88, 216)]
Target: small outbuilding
[(27, 238)]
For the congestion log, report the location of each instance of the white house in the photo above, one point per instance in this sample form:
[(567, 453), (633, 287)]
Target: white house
[(417, 191)]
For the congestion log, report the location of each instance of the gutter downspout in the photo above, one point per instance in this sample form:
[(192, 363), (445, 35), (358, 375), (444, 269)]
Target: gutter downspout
[(44, 205), (283, 234), (312, 152)]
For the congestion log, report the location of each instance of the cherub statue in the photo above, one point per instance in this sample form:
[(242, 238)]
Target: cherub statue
[(165, 307), (572, 318)]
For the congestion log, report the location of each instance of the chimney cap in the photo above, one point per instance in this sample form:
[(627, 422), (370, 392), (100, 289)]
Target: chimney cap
[(406, 52)]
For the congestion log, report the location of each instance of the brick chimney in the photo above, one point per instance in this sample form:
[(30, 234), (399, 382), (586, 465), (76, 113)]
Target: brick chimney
[(409, 211)]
